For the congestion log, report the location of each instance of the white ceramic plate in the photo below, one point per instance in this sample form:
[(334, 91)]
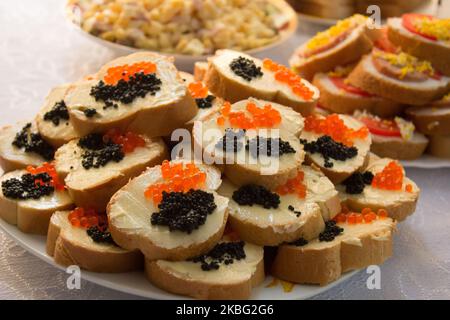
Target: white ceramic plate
[(186, 62), (427, 162), (136, 283)]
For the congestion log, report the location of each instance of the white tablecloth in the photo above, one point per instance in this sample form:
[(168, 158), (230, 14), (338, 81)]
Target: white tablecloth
[(39, 49)]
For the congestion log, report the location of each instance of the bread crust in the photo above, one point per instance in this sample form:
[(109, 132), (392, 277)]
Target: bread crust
[(430, 123), (439, 146), (351, 52), (203, 290), (398, 148), (402, 93), (347, 103), (426, 50)]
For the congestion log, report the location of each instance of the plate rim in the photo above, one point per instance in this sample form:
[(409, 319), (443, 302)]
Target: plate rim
[(153, 292)]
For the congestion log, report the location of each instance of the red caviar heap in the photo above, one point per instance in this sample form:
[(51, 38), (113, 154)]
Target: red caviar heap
[(129, 140), (124, 72), (390, 178), (265, 117), (48, 168), (334, 127), (286, 76), (367, 215), (87, 218), (179, 177), (294, 186), (198, 90)]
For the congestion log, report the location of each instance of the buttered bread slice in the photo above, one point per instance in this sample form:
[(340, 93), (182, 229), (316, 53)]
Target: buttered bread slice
[(235, 76), (355, 241), (132, 92), (29, 197), (94, 167), (255, 141), (381, 185), (229, 271), (338, 144), (53, 120), (21, 145), (171, 211), (290, 211), (81, 237)]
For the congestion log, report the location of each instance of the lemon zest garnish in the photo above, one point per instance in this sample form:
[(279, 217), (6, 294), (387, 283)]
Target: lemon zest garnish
[(323, 38)]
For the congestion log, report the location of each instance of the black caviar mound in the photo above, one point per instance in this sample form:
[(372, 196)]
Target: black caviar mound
[(330, 149), (223, 253), (25, 187), (299, 242), (245, 68), (331, 231), (90, 112), (231, 141), (205, 103), (184, 212), (356, 183), (270, 147), (98, 152), (137, 86), (57, 113), (99, 235), (33, 142), (251, 194)]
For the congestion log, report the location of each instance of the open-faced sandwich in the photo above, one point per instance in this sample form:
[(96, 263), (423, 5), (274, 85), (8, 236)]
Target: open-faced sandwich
[(393, 138), (341, 44), (295, 209), (53, 120), (228, 271), (352, 240), (235, 76), (170, 211), (399, 77), (381, 185), (81, 237), (29, 197), (255, 140), (423, 36), (95, 166), (338, 144), (22, 145), (434, 121), (142, 92), (339, 96)]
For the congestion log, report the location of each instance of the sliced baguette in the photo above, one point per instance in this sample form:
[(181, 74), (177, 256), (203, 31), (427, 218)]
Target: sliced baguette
[(62, 132), (339, 101), (437, 52), (399, 204), (399, 148), (129, 214), (356, 44), (224, 83), (232, 281), (439, 146), (433, 119), (359, 246), (93, 188), (367, 77), (168, 109), (70, 245), (271, 227), (341, 169), (31, 215), (242, 168), (13, 158), (200, 68)]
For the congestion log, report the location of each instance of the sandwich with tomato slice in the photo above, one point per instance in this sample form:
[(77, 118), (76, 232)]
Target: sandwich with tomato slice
[(394, 138), (423, 36), (339, 96)]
